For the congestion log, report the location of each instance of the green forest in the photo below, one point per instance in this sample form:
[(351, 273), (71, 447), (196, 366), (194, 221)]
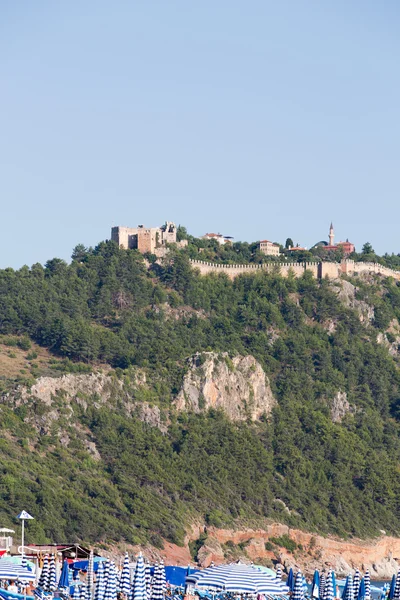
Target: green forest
[(111, 309)]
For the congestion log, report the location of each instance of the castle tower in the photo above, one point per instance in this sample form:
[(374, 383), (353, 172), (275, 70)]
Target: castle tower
[(331, 235)]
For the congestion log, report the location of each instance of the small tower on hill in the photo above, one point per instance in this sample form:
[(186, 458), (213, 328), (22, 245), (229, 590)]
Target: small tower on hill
[(331, 235)]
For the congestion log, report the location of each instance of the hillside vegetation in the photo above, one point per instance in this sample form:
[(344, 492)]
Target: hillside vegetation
[(108, 311)]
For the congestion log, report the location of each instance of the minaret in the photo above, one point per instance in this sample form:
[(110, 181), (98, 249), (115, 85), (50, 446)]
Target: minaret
[(331, 235)]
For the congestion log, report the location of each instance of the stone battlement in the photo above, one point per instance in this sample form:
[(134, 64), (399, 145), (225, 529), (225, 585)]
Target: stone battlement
[(318, 269)]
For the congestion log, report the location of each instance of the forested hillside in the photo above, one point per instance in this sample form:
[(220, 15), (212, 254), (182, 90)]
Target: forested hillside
[(111, 311)]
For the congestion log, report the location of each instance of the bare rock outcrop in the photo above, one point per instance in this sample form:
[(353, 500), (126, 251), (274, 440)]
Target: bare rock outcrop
[(340, 407), (347, 294), (238, 386), (211, 551), (71, 386)]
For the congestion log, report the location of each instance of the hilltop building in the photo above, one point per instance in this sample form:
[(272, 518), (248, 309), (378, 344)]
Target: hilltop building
[(347, 247), (144, 239), (269, 248), (218, 237)]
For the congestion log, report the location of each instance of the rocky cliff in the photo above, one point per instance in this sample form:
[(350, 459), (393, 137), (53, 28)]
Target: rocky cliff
[(311, 551), (238, 386)]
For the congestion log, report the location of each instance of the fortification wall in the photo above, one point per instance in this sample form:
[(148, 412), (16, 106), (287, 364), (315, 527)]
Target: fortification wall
[(233, 271), (318, 269)]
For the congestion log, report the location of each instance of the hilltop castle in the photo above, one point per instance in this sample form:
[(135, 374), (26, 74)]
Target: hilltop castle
[(144, 239)]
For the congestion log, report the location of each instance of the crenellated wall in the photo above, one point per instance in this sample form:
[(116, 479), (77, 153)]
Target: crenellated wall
[(318, 269)]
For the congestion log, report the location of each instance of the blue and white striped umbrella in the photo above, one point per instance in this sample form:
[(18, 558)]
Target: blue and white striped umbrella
[(100, 582), (148, 580), (367, 582), (9, 570), (322, 582), (235, 578), (44, 575), (356, 583), (52, 581), (83, 593), (90, 575), (328, 591), (125, 579), (139, 591), (298, 590), (157, 592), (163, 576), (396, 595), (279, 573), (111, 583), (349, 589)]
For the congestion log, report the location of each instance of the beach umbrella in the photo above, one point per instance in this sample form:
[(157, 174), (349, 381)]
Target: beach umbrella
[(367, 582), (239, 578), (334, 583), (64, 577), (298, 590), (100, 582), (52, 579), (361, 590), (148, 579), (157, 592), (44, 575), (111, 583), (163, 576), (13, 571), (279, 573), (125, 580), (348, 592), (356, 583), (315, 585), (139, 582), (328, 590), (322, 582), (290, 580), (90, 575), (392, 587), (396, 595), (83, 593)]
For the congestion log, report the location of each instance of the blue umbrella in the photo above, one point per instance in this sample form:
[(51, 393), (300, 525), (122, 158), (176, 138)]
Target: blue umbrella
[(361, 590), (139, 581), (367, 582), (290, 580), (315, 585), (125, 580), (349, 594), (64, 577), (298, 590), (392, 587), (334, 583)]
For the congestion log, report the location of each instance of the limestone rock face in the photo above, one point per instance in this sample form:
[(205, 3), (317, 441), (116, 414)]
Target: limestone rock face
[(238, 386), (347, 294), (340, 407)]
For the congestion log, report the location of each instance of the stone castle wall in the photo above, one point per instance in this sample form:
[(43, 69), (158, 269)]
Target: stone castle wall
[(318, 269)]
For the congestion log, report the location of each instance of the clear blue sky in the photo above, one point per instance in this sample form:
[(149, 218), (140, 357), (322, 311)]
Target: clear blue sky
[(257, 119)]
